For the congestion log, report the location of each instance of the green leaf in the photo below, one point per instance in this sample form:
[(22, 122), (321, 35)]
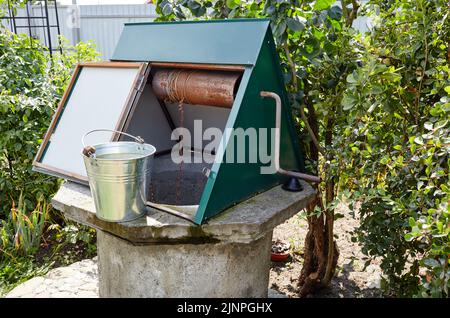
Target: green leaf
[(294, 24), (409, 237), (233, 3), (270, 10), (335, 13), (447, 89), (193, 5), (351, 78), (323, 4), (199, 12), (412, 222), (312, 47), (440, 226), (279, 29), (429, 262), (419, 185), (398, 147), (376, 89), (167, 9), (338, 216), (435, 111), (428, 126), (348, 102), (384, 160), (418, 140)]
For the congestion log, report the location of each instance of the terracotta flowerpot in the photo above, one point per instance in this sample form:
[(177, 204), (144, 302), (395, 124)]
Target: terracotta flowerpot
[(280, 251), (279, 257)]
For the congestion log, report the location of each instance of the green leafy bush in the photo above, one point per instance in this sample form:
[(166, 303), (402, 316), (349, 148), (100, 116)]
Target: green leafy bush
[(397, 144), (31, 85)]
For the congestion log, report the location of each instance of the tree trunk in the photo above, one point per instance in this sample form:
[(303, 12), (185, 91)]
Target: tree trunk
[(316, 253), (321, 252)]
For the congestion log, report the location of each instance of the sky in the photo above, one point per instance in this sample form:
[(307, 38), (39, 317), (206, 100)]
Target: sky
[(103, 1)]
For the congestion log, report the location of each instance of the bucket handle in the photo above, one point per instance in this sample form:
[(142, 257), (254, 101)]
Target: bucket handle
[(138, 138)]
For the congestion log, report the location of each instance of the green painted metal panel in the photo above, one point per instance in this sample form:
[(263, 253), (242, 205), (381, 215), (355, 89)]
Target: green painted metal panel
[(231, 183), (235, 41)]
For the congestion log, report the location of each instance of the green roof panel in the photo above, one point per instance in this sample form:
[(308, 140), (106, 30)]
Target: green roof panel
[(236, 41)]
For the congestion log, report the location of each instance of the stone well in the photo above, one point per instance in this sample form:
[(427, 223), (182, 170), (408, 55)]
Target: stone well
[(161, 255)]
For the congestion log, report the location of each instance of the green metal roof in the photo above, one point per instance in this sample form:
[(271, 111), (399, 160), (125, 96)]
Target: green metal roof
[(235, 41)]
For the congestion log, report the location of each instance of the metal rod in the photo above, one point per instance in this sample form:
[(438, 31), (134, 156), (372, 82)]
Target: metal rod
[(29, 22), (166, 114), (164, 208), (11, 14), (20, 18), (49, 34), (42, 25), (295, 174), (162, 152), (57, 26), (25, 26)]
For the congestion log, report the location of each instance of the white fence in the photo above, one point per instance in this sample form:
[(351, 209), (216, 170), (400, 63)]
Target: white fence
[(100, 23)]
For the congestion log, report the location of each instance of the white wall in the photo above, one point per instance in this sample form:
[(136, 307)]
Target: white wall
[(100, 23)]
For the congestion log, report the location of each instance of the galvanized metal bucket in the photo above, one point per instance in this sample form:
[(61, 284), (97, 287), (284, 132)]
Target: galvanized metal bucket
[(119, 175)]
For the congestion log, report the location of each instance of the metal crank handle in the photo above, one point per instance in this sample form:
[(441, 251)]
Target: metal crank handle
[(304, 176)]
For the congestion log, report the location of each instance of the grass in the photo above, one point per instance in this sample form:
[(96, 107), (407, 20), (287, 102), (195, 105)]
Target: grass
[(18, 270)]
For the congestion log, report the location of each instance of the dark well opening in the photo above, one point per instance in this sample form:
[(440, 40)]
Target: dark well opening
[(177, 184), (176, 96)]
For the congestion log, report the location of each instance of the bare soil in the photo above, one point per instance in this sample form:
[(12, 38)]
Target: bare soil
[(352, 278), (59, 254)]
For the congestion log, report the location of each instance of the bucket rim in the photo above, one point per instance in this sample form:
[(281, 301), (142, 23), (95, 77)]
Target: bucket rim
[(152, 151)]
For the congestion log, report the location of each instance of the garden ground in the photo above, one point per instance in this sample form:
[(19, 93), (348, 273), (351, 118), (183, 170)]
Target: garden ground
[(352, 278)]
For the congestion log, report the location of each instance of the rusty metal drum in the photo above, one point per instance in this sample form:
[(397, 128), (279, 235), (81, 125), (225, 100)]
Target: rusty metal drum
[(196, 87)]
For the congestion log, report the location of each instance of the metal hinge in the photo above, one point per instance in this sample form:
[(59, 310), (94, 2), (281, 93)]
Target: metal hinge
[(142, 80), (140, 83)]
